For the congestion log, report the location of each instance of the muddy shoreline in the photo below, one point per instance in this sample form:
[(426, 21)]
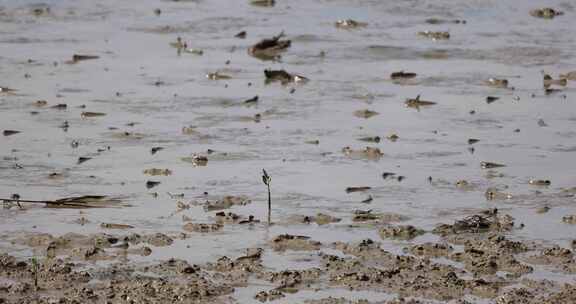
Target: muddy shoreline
[(473, 259)]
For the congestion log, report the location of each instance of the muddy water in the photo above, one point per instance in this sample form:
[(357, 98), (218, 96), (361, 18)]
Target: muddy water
[(150, 91)]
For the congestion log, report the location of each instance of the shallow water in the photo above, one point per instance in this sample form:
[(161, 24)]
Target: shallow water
[(500, 39)]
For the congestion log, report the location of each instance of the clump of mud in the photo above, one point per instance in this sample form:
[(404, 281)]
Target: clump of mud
[(431, 250), (225, 202), (493, 254), (489, 220), (319, 219), (294, 242), (405, 232), (57, 281), (202, 227)]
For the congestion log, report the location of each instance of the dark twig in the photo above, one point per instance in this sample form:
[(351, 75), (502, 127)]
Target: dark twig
[(267, 179)]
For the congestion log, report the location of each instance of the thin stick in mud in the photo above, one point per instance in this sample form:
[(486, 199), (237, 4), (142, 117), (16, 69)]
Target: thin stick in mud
[(267, 179)]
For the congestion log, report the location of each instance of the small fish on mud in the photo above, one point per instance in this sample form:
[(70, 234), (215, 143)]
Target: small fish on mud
[(417, 102), (472, 141), (217, 76), (252, 100), (387, 175), (550, 91), (367, 200), (539, 182), (60, 106), (497, 83), (6, 90), (357, 189), (490, 165), (549, 81), (40, 11), (365, 113), (241, 35), (393, 137), (115, 226), (402, 75), (435, 35), (264, 3), (312, 142), (284, 77), (9, 132), (491, 99), (543, 209), (545, 13), (92, 114), (155, 150), (151, 184), (79, 57), (269, 49), (444, 21), (250, 220), (374, 139), (349, 24), (83, 159), (55, 175)]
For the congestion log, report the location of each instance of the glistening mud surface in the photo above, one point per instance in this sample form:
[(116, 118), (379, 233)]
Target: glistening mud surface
[(417, 224)]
